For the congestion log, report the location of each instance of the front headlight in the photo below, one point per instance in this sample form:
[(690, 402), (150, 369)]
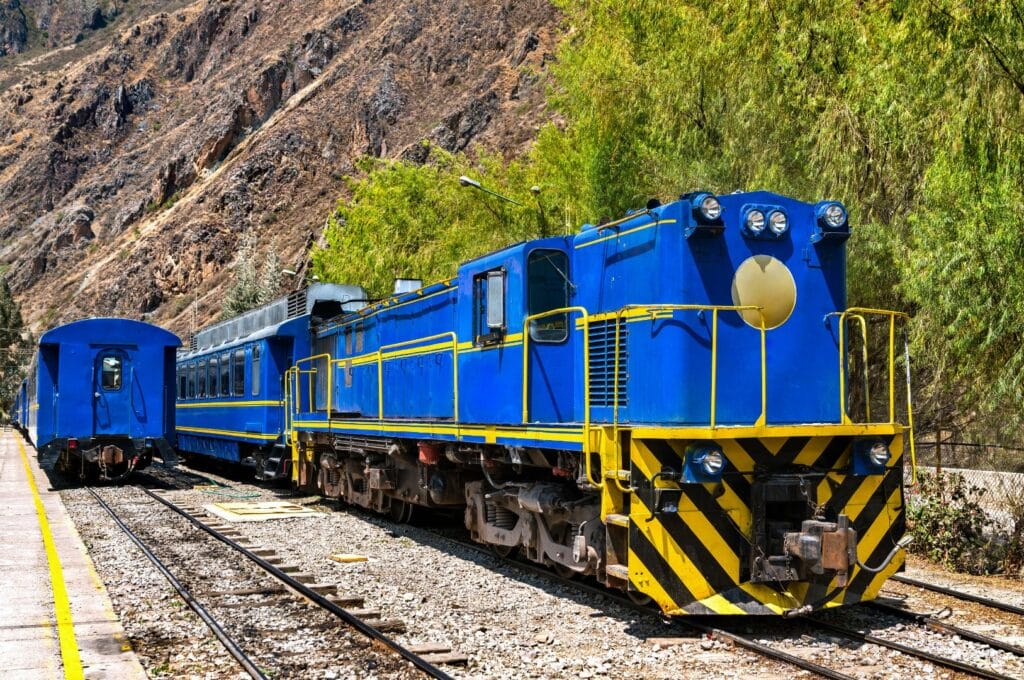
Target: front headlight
[(711, 462), (778, 223), (879, 454), (755, 222), (709, 207)]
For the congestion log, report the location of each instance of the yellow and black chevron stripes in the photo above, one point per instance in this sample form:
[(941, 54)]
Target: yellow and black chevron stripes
[(695, 557)]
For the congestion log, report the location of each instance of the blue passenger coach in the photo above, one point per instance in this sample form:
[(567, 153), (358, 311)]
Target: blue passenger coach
[(662, 401), (230, 380), (104, 396)]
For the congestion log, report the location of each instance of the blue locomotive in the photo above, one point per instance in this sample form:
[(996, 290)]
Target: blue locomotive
[(662, 402), (230, 382), (101, 397)]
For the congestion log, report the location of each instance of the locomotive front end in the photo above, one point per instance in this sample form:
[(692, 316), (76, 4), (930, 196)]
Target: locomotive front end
[(744, 464)]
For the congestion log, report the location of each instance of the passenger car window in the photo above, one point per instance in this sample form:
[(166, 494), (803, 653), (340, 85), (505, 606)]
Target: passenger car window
[(225, 374), (191, 381), (254, 380), (201, 379), (547, 288), (181, 383), (110, 378), (238, 373), (212, 387)]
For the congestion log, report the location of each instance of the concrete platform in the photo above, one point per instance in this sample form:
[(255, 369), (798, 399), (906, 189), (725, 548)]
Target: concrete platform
[(55, 617)]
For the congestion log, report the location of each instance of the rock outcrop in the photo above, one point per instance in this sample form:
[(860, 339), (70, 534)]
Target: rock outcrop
[(129, 176)]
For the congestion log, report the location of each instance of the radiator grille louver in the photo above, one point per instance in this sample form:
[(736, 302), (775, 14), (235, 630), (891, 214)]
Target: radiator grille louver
[(602, 362)]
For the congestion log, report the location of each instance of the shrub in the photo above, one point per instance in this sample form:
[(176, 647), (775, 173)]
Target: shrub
[(950, 526)]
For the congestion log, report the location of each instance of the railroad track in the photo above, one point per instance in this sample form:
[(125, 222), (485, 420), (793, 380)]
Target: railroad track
[(290, 602), (960, 595), (729, 634)]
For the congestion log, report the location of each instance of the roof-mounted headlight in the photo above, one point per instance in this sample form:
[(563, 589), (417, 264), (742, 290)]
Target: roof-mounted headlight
[(754, 222), (832, 215), (778, 223), (706, 208), (707, 214), (832, 222)]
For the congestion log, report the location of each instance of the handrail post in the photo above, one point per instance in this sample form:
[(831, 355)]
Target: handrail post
[(892, 369), (714, 364), (843, 415), (380, 384)]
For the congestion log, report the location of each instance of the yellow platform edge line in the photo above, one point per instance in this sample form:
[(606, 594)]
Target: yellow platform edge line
[(65, 626)]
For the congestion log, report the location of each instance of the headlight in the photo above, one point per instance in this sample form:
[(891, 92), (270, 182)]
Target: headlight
[(711, 462), (755, 222), (879, 454), (832, 215), (709, 207), (778, 223)]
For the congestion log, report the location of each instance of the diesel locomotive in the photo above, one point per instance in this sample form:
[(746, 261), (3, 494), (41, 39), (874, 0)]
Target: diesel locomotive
[(671, 403), (100, 397)]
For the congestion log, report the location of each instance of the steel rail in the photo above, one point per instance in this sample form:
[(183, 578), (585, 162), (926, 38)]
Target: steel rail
[(960, 595), (943, 627), (229, 644), (908, 650), (738, 640), (360, 625)]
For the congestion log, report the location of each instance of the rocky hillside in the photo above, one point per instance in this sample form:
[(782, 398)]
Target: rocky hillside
[(134, 161)]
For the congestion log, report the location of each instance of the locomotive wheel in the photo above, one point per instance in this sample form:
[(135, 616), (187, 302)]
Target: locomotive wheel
[(563, 571), (401, 511), (639, 598)]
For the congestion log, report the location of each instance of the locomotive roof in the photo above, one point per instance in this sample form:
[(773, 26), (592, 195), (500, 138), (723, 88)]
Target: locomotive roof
[(110, 330)]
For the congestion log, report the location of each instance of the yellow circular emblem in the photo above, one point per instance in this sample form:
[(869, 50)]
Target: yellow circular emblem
[(765, 282)]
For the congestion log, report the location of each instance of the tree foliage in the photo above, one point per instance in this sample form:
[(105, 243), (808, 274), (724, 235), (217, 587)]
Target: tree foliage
[(910, 113), (255, 284), (16, 346)]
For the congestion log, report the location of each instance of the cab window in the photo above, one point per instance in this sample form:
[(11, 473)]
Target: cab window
[(489, 307), (547, 289)]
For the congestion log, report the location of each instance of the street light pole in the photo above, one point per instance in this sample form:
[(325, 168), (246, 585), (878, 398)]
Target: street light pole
[(467, 182)]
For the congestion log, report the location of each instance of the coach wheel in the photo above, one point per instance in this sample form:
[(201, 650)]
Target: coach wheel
[(503, 551)]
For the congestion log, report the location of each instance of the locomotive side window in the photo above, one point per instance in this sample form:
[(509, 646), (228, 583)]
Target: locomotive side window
[(547, 288), (489, 307), (213, 377), (201, 379), (238, 373), (225, 374), (111, 373), (254, 380)]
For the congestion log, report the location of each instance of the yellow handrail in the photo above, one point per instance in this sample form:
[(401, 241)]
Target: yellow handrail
[(861, 312), (586, 374), (313, 371), (714, 309), (455, 368)]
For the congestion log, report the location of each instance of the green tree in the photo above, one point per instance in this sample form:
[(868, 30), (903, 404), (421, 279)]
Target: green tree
[(254, 285), (16, 347)]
